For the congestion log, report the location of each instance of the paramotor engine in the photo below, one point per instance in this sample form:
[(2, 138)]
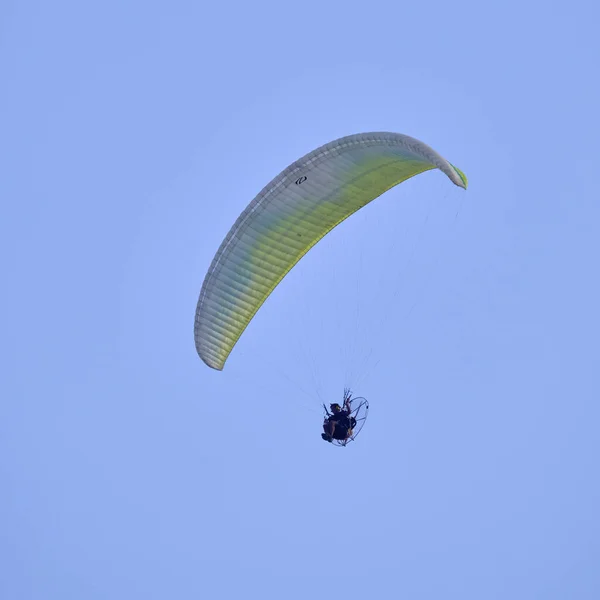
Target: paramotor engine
[(359, 410)]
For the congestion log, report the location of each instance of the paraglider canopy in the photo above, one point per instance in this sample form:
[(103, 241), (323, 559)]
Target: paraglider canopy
[(289, 216)]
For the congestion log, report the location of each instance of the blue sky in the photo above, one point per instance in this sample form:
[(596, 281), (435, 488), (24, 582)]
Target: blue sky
[(132, 134)]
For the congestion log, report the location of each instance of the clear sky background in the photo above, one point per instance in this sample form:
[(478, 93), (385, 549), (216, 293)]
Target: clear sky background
[(132, 134)]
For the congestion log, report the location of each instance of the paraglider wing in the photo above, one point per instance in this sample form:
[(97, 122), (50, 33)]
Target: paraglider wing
[(289, 216)]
